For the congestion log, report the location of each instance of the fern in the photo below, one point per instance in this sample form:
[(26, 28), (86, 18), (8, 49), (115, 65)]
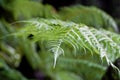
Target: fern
[(26, 9), (54, 33), (90, 16)]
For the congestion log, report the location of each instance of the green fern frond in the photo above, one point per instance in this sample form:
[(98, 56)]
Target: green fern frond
[(26, 9), (54, 33), (90, 16)]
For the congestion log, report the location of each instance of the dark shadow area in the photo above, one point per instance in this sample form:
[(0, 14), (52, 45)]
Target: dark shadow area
[(111, 73)]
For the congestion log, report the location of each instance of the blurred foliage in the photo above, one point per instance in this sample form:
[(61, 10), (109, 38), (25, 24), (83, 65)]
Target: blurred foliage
[(69, 67), (7, 73), (90, 16), (26, 9)]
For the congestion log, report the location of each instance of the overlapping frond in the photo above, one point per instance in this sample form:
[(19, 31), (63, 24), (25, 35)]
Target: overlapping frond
[(90, 16), (56, 32)]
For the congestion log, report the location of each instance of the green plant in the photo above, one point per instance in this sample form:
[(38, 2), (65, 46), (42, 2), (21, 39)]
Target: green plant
[(89, 15), (56, 35), (87, 51)]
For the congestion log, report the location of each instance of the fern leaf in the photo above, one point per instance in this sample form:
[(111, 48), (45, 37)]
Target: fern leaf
[(55, 47), (90, 16), (26, 9), (57, 32)]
